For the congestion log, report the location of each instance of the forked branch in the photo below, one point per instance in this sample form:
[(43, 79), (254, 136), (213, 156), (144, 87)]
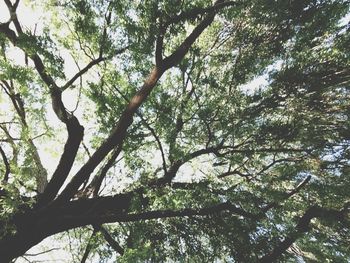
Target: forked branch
[(119, 133)]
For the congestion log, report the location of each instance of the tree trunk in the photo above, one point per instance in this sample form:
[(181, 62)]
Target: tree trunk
[(29, 232)]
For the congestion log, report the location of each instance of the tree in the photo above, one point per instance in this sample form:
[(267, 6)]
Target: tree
[(184, 158)]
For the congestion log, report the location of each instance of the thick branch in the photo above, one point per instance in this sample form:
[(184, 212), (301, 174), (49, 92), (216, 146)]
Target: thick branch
[(303, 227), (12, 9), (75, 135), (56, 93), (116, 137), (75, 131), (110, 217), (118, 134), (181, 51), (10, 34), (159, 45)]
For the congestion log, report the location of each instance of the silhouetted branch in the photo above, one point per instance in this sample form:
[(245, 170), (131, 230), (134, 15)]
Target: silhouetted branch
[(302, 227), (109, 216), (88, 247), (111, 241), (288, 195), (7, 165)]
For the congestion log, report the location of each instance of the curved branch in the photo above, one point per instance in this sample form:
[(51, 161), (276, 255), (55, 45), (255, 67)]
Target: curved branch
[(153, 132), (82, 72), (75, 136), (89, 66), (172, 171), (75, 130), (56, 93), (302, 227)]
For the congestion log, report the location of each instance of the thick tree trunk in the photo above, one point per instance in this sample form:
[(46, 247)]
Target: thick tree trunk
[(28, 233), (15, 246), (33, 225), (31, 229)]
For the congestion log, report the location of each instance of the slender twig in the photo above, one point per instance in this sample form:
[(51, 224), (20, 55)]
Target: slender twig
[(40, 253), (88, 247)]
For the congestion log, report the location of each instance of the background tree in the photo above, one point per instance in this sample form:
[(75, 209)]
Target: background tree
[(182, 157)]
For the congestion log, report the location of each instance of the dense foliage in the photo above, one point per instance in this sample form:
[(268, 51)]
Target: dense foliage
[(176, 130)]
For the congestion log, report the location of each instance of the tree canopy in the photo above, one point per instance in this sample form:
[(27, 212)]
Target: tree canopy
[(176, 130)]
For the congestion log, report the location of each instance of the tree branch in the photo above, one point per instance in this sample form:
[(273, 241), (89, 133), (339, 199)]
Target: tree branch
[(7, 166), (110, 240), (181, 213), (95, 185), (288, 195), (75, 136), (88, 247), (153, 132), (75, 130), (196, 12), (56, 93), (182, 50), (109, 216), (174, 168), (302, 227), (89, 66), (159, 44), (16, 100), (118, 134), (82, 72), (18, 104)]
